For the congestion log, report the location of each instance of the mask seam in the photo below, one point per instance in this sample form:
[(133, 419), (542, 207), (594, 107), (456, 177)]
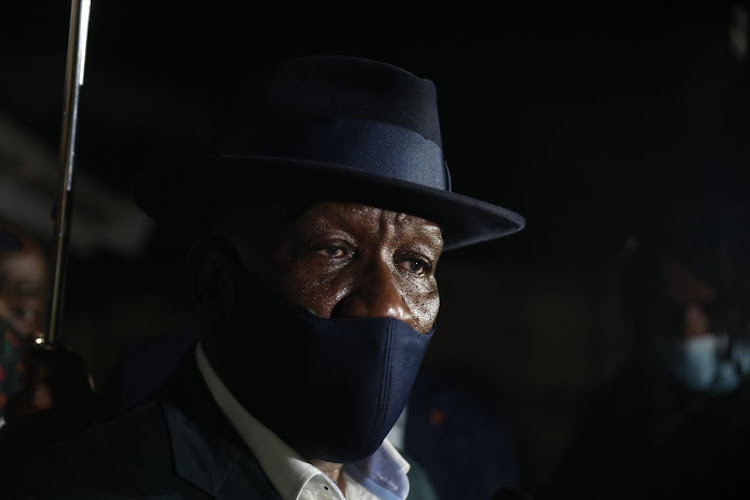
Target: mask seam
[(385, 385)]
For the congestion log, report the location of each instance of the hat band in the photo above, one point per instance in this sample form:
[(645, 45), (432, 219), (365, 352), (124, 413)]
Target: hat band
[(377, 148)]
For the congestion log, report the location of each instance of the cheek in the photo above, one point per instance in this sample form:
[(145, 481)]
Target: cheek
[(24, 316), (314, 290), (424, 308)]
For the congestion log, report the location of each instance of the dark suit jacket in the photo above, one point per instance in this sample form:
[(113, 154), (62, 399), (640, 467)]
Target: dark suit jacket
[(176, 445)]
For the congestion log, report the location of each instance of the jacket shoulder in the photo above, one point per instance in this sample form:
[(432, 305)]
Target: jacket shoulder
[(123, 456)]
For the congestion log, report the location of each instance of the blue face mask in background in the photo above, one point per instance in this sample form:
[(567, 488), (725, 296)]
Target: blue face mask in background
[(710, 363)]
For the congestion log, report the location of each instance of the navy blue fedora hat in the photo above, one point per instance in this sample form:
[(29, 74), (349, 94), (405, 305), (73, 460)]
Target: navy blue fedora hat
[(336, 128)]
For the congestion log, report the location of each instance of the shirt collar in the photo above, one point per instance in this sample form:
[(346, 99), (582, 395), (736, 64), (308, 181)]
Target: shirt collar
[(383, 473), (284, 467)]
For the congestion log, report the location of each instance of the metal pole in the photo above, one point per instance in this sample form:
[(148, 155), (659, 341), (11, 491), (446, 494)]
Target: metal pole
[(79, 20)]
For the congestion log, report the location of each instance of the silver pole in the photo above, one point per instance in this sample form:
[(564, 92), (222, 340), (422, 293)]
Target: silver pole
[(79, 20)]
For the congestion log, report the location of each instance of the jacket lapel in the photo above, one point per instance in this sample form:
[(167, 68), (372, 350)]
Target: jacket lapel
[(207, 451)]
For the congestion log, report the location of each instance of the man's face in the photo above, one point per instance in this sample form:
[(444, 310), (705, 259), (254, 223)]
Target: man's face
[(683, 305), (23, 280), (345, 260)]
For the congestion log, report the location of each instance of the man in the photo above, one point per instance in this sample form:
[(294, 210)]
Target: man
[(317, 232), (23, 284), (669, 423), (44, 396)]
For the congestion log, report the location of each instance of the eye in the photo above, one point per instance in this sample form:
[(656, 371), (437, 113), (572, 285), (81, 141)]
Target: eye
[(23, 313), (334, 250), (416, 265)]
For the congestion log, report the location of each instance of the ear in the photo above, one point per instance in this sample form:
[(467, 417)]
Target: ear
[(210, 279)]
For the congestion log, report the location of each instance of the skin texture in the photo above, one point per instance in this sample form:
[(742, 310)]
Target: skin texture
[(336, 259)]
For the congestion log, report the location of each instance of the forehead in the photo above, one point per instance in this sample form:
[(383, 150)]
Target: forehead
[(22, 269), (682, 285), (25, 261), (343, 213)]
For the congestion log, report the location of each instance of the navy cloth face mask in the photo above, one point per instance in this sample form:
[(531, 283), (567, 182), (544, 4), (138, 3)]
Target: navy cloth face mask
[(331, 388)]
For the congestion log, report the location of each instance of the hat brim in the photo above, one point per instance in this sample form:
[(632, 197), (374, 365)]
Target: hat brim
[(187, 194)]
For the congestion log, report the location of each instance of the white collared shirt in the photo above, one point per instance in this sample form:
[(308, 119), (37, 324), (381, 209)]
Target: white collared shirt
[(296, 479)]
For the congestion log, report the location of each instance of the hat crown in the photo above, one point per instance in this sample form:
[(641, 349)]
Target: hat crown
[(346, 112), (329, 128), (326, 87)]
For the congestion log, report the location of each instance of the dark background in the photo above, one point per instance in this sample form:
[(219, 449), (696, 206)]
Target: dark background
[(581, 119), (545, 111)]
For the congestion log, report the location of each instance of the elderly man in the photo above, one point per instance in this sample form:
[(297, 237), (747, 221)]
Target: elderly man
[(317, 232)]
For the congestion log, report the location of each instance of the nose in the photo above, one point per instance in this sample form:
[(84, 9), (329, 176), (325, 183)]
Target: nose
[(374, 294)]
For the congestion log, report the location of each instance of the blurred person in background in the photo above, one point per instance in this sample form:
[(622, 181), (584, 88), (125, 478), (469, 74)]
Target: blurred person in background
[(672, 414), (23, 287), (44, 395)]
